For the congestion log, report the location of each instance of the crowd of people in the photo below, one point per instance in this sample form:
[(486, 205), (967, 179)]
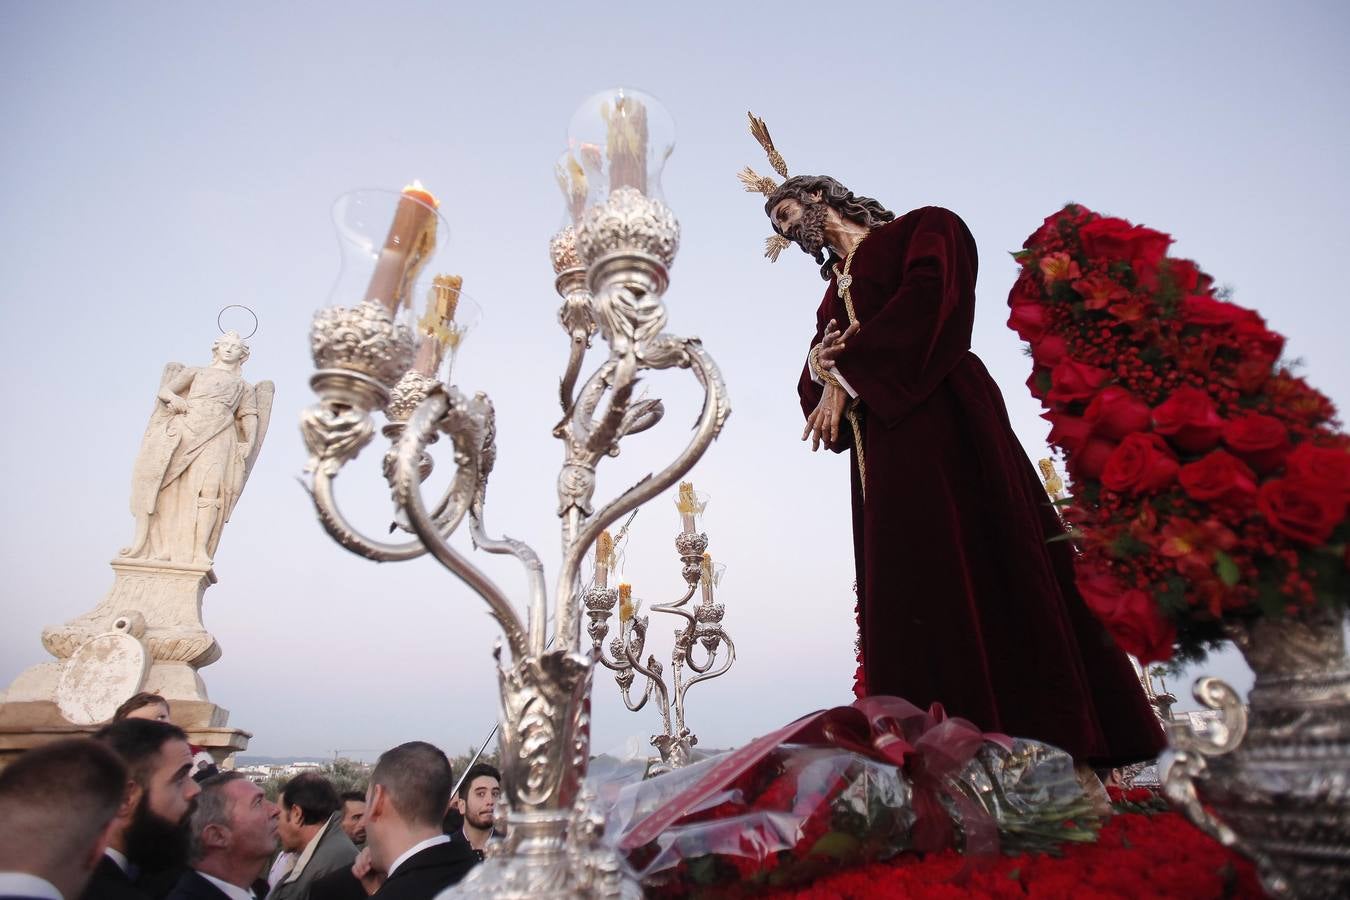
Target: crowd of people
[(130, 814)]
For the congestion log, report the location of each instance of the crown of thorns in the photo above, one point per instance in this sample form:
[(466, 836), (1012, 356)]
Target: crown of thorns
[(762, 184)]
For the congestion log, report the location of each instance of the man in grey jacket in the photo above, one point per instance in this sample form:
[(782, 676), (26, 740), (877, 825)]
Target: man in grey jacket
[(311, 826)]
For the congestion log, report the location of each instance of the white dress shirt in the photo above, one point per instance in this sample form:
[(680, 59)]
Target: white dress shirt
[(416, 848), (21, 884), (233, 891), (120, 858)]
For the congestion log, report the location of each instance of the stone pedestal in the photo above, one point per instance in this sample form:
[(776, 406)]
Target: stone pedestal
[(145, 635)]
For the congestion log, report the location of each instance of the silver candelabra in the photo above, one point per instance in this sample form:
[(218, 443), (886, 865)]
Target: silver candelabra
[(612, 268), (702, 627)]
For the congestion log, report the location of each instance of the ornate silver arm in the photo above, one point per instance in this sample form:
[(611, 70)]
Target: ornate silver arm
[(468, 423), (661, 352)]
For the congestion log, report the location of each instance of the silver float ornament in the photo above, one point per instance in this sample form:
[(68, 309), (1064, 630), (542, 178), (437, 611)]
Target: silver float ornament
[(623, 243)]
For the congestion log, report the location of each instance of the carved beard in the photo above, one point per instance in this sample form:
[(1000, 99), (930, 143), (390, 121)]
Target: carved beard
[(154, 843), (809, 232)]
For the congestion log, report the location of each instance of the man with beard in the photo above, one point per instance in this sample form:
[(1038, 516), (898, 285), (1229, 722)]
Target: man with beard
[(478, 795), (234, 834), (311, 826), (148, 839), (964, 594), (57, 802), (354, 817)]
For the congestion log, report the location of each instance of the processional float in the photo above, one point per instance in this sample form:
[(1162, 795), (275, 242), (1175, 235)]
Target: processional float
[(612, 264)]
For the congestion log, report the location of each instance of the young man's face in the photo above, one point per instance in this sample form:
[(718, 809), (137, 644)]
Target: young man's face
[(171, 789), (481, 800), (354, 820)]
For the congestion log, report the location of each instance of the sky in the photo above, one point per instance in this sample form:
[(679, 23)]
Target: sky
[(162, 161)]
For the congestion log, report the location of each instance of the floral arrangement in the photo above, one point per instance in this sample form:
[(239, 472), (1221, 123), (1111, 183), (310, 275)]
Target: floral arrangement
[(1209, 483), (1158, 856)]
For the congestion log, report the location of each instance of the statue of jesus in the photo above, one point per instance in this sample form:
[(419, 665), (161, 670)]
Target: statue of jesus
[(963, 596)]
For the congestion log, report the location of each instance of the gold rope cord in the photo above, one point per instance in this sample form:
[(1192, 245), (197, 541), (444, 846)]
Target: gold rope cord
[(845, 286)]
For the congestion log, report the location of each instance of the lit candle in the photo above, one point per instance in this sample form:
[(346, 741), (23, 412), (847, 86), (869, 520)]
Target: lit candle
[(406, 248), (707, 578), (625, 602), (604, 551), (688, 505), (437, 326)]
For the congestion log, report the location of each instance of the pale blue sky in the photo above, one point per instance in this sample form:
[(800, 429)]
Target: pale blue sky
[(163, 160)]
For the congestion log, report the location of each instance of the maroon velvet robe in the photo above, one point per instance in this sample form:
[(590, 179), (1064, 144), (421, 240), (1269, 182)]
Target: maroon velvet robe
[(961, 598)]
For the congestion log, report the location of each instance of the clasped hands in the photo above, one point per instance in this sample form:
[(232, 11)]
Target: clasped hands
[(822, 425)]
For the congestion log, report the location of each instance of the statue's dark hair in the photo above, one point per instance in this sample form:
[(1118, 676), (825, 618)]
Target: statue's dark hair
[(863, 210)]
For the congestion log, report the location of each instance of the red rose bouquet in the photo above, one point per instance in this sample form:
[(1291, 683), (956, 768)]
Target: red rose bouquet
[(1208, 482)]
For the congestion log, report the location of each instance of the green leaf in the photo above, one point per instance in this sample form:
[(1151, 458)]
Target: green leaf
[(1066, 536), (1062, 501), (1226, 569), (835, 844)]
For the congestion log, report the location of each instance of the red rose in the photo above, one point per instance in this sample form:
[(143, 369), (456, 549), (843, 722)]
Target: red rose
[(1028, 320), (1049, 351), (1189, 419), (1117, 239), (1128, 613), (1066, 432), (1326, 467), (1115, 412), (1049, 230), (1252, 374), (1219, 476), (1071, 380), (1142, 463), (1262, 441), (1038, 383), (1202, 309), (1301, 509), (1141, 630), (1184, 274), (1139, 795), (1253, 328), (1090, 460)]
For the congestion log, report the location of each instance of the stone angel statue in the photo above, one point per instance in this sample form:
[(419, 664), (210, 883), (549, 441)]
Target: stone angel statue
[(198, 450)]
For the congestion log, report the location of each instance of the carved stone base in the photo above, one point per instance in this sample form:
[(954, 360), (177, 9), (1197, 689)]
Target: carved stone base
[(25, 725), (146, 634)]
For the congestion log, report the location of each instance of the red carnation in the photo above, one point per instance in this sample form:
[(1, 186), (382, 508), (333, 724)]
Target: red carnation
[(1219, 476), (1301, 509), (1262, 441), (1028, 320), (1328, 468), (1189, 418), (1072, 380), (1142, 463), (1116, 412)]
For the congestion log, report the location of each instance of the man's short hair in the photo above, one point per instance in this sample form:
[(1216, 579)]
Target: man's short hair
[(135, 702), (476, 771), (213, 808), (353, 797), (418, 778), (57, 799), (314, 794), (138, 742)]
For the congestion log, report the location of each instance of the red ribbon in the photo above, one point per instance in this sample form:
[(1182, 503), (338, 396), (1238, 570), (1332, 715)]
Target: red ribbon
[(930, 747)]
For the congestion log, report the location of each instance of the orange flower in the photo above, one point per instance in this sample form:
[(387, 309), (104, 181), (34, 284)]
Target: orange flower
[(1058, 267), (1195, 542), (1098, 291)]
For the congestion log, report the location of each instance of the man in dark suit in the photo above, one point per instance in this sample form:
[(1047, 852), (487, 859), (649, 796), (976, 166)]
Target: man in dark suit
[(56, 805), (405, 804), (234, 834), (149, 835)]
